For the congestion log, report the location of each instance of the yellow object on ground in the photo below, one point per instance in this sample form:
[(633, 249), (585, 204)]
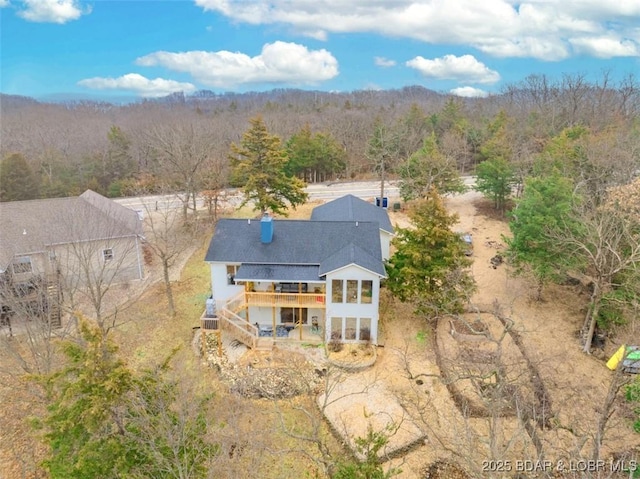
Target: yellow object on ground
[(616, 358)]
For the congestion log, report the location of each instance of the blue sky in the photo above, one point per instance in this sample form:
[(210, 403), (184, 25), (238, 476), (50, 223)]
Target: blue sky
[(150, 48)]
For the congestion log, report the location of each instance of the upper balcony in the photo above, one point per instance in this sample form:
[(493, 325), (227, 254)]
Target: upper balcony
[(285, 300), (283, 295), (281, 300)]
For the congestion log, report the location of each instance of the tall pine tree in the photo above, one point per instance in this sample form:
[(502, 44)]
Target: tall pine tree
[(429, 267), (259, 167)]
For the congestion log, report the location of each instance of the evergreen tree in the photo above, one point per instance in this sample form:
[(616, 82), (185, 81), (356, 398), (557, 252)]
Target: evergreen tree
[(84, 427), (495, 176), (495, 179), (259, 164), (17, 181), (544, 206), (428, 168), (632, 395), (106, 421), (369, 448), (314, 157), (429, 267)]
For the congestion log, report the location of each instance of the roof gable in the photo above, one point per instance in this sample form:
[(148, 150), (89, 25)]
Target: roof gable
[(351, 254), (352, 208)]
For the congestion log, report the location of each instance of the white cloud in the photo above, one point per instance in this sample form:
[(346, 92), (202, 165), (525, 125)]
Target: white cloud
[(52, 11), (542, 29), (384, 62), (4, 3), (279, 62), (138, 84), (606, 47), (469, 92), (450, 67)]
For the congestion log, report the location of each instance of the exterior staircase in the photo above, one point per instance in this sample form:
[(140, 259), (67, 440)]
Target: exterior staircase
[(239, 328), (53, 299)]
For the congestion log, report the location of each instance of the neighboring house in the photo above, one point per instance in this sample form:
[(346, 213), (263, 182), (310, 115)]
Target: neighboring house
[(67, 240), (305, 280)]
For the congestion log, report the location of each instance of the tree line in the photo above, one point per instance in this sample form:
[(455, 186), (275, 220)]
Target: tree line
[(183, 143), (558, 158)]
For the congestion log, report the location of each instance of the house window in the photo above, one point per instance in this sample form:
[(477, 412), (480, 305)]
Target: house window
[(336, 291), (366, 291), (107, 255), (336, 329), (352, 291), (232, 269), (292, 315), (23, 289), (22, 264), (365, 329), (350, 328), (292, 287)]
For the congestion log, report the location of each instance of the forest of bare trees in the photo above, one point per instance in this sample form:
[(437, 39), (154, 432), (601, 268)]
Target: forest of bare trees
[(119, 149)]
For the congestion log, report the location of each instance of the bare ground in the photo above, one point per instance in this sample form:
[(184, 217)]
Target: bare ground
[(576, 383)]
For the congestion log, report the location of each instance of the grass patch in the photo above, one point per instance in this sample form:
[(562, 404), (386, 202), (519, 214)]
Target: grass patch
[(149, 333)]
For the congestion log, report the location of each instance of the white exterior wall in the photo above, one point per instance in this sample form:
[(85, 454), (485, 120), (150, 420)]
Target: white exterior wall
[(220, 289), (352, 310), (385, 244)]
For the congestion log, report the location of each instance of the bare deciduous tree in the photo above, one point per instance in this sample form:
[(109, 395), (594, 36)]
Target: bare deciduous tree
[(167, 237), (607, 244), (182, 150), (103, 251)]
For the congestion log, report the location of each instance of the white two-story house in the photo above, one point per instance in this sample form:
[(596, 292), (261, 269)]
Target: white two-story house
[(312, 280)]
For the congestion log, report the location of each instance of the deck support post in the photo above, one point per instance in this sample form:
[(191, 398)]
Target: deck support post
[(300, 310), (273, 310)]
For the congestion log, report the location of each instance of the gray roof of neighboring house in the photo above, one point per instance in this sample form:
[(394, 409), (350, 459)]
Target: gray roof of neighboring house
[(32, 226), (352, 208), (327, 245)]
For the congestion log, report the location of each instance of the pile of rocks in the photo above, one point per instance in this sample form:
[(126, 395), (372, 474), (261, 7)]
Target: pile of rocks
[(262, 377), (274, 383)]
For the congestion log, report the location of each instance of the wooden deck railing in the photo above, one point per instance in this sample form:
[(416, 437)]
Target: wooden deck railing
[(288, 300), (236, 304), (238, 327)]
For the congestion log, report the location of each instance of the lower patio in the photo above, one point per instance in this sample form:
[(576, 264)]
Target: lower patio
[(287, 331)]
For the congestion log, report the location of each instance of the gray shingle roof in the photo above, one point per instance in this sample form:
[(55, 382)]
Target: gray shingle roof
[(325, 244), (352, 208), (30, 226), (350, 254), (277, 272)]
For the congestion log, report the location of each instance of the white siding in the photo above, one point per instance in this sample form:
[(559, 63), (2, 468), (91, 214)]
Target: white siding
[(385, 242), (220, 287), (353, 310)]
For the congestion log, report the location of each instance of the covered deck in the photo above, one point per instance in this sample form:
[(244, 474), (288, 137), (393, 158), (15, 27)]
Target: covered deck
[(275, 313)]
